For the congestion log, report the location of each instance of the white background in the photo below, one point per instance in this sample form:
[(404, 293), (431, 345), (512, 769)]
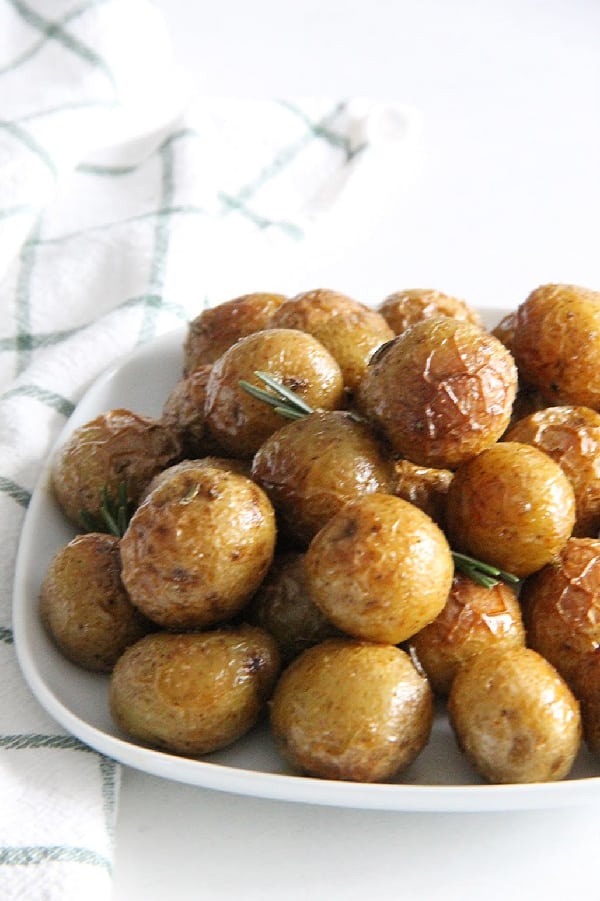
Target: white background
[(505, 197)]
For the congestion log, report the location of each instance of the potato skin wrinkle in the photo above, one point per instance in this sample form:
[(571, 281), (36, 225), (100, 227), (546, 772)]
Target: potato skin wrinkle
[(404, 308)]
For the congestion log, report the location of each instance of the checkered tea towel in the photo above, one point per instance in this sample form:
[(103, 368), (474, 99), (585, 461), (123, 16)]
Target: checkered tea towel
[(126, 206)]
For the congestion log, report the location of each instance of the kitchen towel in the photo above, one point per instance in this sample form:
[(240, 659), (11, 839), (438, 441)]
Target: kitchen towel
[(128, 203)]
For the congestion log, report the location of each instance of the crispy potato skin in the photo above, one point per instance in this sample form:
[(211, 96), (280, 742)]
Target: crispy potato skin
[(441, 392), (588, 694), (198, 547), (215, 329), (312, 466), (514, 717), (183, 411), (405, 308), (241, 423), (380, 569), (474, 619), (84, 605), (571, 436), (556, 344), (351, 710), (116, 447), (561, 606), (511, 506), (424, 487), (193, 693), (349, 330)]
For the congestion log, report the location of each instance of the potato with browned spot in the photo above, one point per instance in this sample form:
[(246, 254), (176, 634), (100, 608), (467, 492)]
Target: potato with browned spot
[(198, 547), (441, 392), (239, 422), (515, 717), (511, 506), (183, 411), (404, 308), (312, 466), (84, 604), (351, 710), (215, 329), (474, 619), (194, 693), (423, 486), (380, 569)]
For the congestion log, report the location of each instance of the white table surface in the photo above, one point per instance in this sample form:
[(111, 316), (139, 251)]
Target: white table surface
[(506, 197)]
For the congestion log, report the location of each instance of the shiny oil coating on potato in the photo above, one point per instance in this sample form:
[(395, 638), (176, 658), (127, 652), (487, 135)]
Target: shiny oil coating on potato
[(240, 423), (404, 308), (84, 605), (514, 717), (311, 467), (511, 506), (424, 487), (116, 448), (196, 692), (351, 710), (198, 547), (183, 411), (556, 344), (474, 619), (349, 330), (441, 392), (380, 569)]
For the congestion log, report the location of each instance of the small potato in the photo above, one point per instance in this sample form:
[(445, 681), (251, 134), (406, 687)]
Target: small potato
[(198, 547), (283, 606), (196, 692), (424, 487), (351, 710), (84, 605), (556, 344), (504, 331), (588, 694), (404, 308), (183, 411), (380, 569), (514, 717), (561, 606), (441, 392), (114, 449), (511, 506), (312, 466), (474, 619), (239, 422), (215, 329), (229, 464), (349, 330), (571, 436)]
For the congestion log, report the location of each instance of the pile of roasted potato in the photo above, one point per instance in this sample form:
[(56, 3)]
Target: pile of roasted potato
[(314, 555)]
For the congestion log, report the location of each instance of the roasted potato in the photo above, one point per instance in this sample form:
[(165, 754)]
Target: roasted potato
[(424, 487), (312, 466), (441, 392), (239, 422), (515, 717), (404, 308), (183, 411), (511, 506), (588, 694), (351, 710), (198, 547), (84, 604), (380, 569), (195, 692)]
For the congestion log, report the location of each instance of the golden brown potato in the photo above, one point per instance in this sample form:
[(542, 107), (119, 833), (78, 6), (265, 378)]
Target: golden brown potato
[(84, 605), (117, 448), (504, 331), (349, 330), (241, 423), (283, 606), (441, 392), (183, 411), (196, 692), (571, 436), (561, 606), (511, 506), (514, 717), (424, 487), (474, 619), (380, 569), (404, 308), (351, 710), (198, 547), (312, 466), (229, 464), (215, 329), (588, 693), (556, 344)]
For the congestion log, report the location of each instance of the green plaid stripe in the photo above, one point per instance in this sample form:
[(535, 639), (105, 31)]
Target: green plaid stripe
[(6, 635), (49, 398), (17, 492), (38, 854)]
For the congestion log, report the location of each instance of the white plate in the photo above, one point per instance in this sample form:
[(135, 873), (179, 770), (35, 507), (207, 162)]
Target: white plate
[(439, 780)]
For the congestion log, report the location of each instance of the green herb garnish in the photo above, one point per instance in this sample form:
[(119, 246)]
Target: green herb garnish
[(114, 514)]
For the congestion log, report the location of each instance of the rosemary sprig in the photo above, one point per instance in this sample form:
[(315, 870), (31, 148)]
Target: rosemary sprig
[(288, 404), (114, 514)]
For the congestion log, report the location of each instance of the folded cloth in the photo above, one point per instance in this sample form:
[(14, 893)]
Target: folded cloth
[(126, 206)]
